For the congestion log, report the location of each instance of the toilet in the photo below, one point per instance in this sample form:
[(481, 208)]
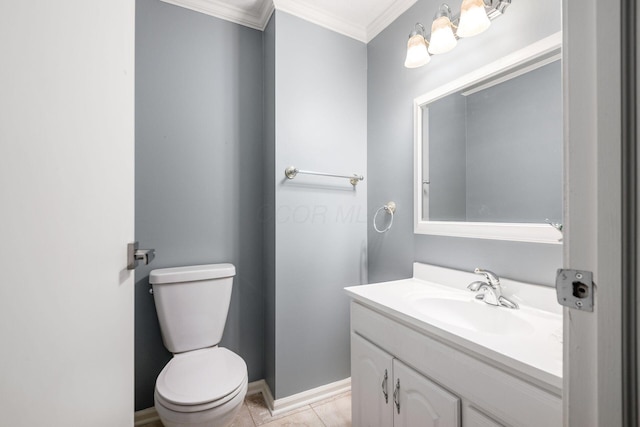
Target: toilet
[(203, 385)]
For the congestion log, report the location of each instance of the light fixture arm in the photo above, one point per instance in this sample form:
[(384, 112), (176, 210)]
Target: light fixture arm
[(496, 7), (421, 30)]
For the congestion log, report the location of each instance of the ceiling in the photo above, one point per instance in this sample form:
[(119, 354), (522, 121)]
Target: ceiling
[(359, 19)]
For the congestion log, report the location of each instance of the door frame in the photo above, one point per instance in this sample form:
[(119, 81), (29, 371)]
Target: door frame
[(600, 210), (630, 219)]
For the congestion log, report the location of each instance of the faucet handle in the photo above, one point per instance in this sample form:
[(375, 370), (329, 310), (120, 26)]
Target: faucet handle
[(492, 277), (475, 286), (506, 302)]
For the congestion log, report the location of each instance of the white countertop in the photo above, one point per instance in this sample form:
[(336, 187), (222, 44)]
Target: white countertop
[(435, 300)]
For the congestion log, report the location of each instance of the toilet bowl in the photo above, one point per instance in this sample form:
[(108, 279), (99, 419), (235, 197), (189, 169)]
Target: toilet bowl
[(203, 385)]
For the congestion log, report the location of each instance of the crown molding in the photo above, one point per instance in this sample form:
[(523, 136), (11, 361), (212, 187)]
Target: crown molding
[(220, 9), (306, 10), (321, 17), (392, 13)]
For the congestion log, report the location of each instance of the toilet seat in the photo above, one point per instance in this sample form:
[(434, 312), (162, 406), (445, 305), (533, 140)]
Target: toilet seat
[(201, 379)]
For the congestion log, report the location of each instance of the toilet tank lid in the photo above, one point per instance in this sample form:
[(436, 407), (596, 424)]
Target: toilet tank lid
[(191, 273)]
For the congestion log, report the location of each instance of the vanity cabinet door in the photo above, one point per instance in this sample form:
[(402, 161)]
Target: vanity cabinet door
[(371, 384), (419, 402)]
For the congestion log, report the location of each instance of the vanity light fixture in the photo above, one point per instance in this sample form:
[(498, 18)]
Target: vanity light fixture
[(475, 17), (417, 54), (442, 37)]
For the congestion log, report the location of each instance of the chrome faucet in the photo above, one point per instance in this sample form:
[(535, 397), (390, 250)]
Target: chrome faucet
[(491, 290), (492, 278)]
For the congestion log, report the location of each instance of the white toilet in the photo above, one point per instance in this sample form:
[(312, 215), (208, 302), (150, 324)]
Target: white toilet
[(203, 385)]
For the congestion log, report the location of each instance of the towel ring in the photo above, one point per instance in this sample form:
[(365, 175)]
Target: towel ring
[(390, 208)]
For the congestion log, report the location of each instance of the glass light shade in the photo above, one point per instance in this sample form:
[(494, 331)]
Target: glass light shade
[(473, 18), (442, 38), (417, 54)]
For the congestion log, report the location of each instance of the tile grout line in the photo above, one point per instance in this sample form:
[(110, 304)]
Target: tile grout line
[(318, 415), (250, 413)]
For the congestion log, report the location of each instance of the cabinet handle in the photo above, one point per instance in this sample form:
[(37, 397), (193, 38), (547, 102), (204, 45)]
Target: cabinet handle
[(384, 387), (396, 396)]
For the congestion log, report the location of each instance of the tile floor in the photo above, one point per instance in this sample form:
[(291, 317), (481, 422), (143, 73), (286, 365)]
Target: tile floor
[(333, 412)]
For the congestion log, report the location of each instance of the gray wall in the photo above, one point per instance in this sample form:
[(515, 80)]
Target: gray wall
[(391, 90), (320, 230), (198, 169)]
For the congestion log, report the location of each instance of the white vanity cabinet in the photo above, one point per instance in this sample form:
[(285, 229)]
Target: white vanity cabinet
[(386, 392), (441, 383)]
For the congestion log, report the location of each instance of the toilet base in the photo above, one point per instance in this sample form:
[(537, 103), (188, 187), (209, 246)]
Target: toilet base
[(220, 416)]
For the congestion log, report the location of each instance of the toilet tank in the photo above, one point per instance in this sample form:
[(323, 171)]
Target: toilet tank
[(192, 304)]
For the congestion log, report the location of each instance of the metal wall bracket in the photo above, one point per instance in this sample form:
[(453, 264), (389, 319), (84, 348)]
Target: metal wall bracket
[(574, 289), (135, 255)]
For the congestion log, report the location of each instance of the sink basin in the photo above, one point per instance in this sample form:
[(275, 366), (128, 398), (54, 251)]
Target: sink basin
[(436, 302), (473, 315)]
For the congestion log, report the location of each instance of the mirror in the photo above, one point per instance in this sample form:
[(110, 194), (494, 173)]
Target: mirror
[(489, 150)]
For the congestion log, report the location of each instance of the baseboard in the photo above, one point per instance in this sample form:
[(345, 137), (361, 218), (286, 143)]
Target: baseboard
[(308, 397), (256, 387), (276, 407), (145, 416)]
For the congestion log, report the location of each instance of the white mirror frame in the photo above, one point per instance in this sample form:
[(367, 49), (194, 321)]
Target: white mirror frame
[(522, 232)]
